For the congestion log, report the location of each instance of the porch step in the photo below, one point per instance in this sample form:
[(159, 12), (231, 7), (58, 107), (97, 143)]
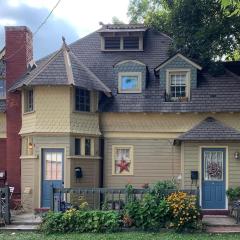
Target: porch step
[(215, 212), (223, 229), (23, 227)]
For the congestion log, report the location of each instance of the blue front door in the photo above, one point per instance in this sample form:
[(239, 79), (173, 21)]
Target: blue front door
[(213, 178), (52, 173)]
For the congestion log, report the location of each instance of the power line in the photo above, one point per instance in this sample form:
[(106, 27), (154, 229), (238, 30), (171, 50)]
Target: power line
[(37, 30)]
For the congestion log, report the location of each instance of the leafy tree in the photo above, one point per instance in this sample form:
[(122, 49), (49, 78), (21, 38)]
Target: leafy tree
[(116, 20), (201, 29)]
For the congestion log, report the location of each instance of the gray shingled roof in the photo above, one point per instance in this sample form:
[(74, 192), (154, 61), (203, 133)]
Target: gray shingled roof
[(213, 94), (210, 129), (62, 68), (122, 28), (2, 105)]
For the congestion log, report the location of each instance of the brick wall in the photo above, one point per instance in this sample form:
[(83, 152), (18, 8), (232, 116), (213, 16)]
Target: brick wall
[(18, 54)]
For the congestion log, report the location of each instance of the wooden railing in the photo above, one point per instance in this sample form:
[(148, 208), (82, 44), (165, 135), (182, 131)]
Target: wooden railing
[(5, 205), (99, 198)]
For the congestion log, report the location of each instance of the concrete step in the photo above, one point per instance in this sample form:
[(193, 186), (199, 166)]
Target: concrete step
[(223, 229), (23, 227)]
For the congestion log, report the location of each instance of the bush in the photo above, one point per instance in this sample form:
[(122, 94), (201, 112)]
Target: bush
[(184, 211), (233, 194), (80, 221), (161, 188), (147, 214)]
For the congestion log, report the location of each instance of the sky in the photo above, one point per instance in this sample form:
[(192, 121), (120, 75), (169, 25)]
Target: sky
[(72, 19)]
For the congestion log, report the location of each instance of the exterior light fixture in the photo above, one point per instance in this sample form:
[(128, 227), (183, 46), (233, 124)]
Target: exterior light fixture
[(237, 155), (30, 145)]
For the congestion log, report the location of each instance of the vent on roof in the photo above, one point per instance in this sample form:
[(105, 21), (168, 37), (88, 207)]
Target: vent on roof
[(112, 43), (131, 43)]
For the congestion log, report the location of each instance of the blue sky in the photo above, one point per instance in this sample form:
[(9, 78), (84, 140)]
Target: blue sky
[(72, 19)]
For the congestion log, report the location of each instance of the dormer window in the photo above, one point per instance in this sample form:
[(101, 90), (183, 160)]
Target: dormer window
[(122, 43), (129, 82), (178, 85)]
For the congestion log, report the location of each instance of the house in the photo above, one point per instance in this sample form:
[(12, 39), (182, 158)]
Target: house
[(113, 108)]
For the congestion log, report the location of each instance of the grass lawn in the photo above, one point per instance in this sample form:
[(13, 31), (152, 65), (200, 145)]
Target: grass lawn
[(118, 236)]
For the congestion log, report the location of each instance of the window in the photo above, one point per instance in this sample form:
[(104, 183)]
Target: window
[(53, 165), (130, 82), (2, 88), (129, 43), (28, 100), (122, 160), (77, 146), (87, 146), (178, 82), (112, 42), (82, 100)]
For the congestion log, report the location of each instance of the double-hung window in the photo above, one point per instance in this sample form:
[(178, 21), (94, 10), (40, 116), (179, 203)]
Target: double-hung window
[(82, 100), (122, 160), (28, 100), (178, 85)]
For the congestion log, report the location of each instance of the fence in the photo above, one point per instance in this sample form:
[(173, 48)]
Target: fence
[(98, 198), (5, 205)]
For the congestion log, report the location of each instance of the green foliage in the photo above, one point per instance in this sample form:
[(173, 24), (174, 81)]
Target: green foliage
[(202, 29), (147, 214), (80, 221), (233, 193), (161, 188), (184, 211)]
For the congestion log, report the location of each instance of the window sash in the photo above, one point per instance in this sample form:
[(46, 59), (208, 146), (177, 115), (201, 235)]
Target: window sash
[(29, 100), (82, 100), (2, 88), (77, 146), (87, 146)]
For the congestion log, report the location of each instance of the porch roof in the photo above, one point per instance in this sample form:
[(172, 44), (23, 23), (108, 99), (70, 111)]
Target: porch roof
[(210, 129)]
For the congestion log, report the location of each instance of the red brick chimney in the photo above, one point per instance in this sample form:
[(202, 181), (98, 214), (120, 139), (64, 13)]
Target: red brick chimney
[(18, 43)]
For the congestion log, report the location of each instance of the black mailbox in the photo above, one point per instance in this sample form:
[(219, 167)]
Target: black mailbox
[(78, 172), (194, 175)]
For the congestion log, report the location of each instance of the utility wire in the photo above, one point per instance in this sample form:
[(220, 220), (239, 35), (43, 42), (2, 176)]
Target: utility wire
[(37, 30)]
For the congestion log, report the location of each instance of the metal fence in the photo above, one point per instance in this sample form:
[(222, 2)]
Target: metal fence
[(99, 198), (5, 205)]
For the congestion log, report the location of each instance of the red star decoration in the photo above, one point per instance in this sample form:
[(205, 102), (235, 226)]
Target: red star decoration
[(123, 165)]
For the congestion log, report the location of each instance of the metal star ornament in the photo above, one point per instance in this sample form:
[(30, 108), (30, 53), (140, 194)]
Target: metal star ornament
[(123, 165)]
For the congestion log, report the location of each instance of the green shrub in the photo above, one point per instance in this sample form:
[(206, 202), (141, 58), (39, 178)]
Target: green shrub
[(147, 214), (233, 193), (161, 188), (81, 221), (184, 211)]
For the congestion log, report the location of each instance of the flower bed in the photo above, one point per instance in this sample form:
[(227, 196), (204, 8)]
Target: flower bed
[(155, 210)]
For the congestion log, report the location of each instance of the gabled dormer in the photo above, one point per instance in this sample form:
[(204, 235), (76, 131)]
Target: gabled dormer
[(178, 76), (122, 37)]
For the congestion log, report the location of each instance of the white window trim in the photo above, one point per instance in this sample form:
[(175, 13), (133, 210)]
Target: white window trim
[(188, 82), (127, 74), (131, 148)]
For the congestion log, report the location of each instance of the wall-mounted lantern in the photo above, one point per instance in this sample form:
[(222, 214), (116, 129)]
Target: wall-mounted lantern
[(30, 145), (237, 155)]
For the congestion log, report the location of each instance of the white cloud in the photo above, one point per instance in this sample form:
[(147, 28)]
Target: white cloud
[(7, 22), (84, 15)]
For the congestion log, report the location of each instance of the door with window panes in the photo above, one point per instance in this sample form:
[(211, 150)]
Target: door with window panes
[(52, 173)]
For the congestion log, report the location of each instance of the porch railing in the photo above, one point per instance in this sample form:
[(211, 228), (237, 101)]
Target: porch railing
[(5, 205), (98, 198)]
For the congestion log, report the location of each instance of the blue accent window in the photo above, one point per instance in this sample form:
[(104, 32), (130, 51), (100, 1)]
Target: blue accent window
[(129, 83), (82, 100), (2, 88)]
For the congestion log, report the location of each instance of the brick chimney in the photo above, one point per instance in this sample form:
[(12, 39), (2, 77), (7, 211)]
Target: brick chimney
[(18, 43)]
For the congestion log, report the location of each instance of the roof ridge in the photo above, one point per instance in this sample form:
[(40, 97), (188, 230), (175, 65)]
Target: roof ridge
[(89, 71)]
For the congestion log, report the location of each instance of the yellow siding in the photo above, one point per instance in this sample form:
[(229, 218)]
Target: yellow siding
[(29, 179), (153, 160), (160, 123), (52, 106), (192, 161), (2, 125)]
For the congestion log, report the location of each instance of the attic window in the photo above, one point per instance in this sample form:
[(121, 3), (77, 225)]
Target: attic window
[(122, 43), (131, 42), (112, 42)]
